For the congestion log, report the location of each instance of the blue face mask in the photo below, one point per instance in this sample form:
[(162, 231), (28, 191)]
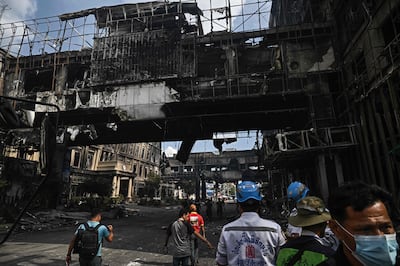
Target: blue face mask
[(374, 249)]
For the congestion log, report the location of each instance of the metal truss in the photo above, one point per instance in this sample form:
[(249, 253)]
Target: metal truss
[(310, 140)]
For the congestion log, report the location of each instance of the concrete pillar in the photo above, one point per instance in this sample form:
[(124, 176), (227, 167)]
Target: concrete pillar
[(2, 80), (339, 169), (114, 186), (197, 187), (203, 189), (323, 177), (97, 157), (130, 185), (374, 43), (118, 186), (60, 79)]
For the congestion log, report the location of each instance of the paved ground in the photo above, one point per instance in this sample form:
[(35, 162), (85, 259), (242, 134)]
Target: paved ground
[(138, 240)]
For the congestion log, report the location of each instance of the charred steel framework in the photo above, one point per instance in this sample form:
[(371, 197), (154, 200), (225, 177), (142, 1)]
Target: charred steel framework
[(369, 91), (201, 65), (172, 71), (156, 41), (89, 53)]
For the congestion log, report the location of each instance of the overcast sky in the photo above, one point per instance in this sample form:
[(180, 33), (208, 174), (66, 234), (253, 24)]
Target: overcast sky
[(19, 10)]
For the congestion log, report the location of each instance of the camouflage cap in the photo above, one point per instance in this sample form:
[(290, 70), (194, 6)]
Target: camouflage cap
[(310, 211)]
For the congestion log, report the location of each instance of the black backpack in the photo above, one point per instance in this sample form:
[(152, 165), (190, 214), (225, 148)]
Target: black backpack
[(87, 241)]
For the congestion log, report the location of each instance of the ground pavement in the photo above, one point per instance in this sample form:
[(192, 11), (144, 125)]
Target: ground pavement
[(138, 240)]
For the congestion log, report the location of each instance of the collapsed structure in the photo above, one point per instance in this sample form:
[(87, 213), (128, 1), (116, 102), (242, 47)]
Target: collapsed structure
[(318, 78)]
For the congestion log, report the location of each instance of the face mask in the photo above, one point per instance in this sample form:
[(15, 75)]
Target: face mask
[(374, 249)]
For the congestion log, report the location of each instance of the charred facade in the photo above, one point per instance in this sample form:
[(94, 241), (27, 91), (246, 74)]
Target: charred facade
[(318, 78)]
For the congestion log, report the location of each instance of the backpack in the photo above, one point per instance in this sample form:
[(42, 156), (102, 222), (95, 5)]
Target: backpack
[(87, 241)]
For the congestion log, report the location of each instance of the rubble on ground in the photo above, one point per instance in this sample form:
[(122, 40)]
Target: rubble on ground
[(54, 219)]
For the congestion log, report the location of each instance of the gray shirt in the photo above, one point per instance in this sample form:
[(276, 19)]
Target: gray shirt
[(180, 231)]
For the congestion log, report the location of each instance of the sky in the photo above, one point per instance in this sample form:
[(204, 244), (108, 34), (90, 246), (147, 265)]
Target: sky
[(246, 140), (24, 9), (20, 10)]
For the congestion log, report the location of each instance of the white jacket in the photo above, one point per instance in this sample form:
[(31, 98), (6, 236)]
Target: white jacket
[(249, 240)]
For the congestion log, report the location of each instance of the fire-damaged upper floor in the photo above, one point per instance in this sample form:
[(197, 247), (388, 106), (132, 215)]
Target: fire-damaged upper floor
[(171, 71)]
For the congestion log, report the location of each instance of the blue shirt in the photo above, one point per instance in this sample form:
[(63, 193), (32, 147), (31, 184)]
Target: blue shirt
[(102, 232)]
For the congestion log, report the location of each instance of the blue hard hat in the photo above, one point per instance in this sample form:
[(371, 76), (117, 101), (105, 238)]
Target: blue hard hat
[(297, 190), (247, 190)]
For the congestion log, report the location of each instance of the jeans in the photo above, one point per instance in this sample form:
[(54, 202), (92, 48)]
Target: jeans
[(96, 261), (184, 260), (194, 249)]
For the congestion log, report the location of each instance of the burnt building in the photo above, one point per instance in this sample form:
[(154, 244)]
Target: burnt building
[(318, 78), (124, 166), (359, 86), (203, 169)]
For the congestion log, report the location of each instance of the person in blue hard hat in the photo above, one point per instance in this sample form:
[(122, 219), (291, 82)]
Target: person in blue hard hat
[(249, 240), (297, 191)]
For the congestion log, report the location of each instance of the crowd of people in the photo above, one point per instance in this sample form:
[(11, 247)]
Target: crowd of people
[(357, 226)]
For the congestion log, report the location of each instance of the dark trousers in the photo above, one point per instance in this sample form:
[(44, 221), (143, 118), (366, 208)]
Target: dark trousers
[(194, 249), (96, 261), (184, 261)]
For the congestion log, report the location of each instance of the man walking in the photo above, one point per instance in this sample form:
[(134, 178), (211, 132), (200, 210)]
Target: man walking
[(220, 207), (307, 249), (102, 232), (249, 240), (181, 230), (197, 223)]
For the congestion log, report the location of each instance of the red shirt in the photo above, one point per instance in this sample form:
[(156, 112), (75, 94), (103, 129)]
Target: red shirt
[(196, 221)]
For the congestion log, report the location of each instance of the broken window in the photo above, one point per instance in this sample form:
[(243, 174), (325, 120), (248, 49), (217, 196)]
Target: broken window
[(123, 148), (140, 170), (89, 160), (76, 160), (104, 156), (131, 149), (38, 80), (188, 168)]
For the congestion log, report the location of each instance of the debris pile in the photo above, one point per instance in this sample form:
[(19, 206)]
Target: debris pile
[(48, 220), (55, 219)]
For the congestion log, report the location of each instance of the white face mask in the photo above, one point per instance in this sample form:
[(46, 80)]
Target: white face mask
[(374, 249)]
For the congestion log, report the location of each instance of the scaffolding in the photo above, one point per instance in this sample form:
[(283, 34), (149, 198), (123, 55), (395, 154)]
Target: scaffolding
[(160, 41), (77, 31), (369, 91)]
